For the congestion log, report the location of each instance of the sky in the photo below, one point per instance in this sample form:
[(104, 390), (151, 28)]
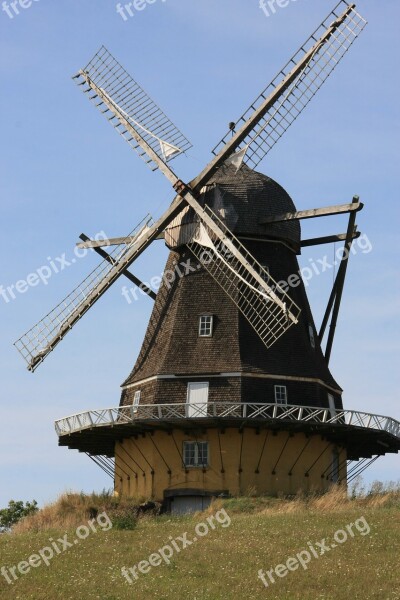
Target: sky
[(63, 171)]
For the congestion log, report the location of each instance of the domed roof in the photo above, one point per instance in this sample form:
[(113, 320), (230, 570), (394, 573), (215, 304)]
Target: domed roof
[(242, 198)]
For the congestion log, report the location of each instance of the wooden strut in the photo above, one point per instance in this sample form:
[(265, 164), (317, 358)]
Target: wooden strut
[(162, 457), (262, 452), (99, 464), (357, 473), (326, 211), (280, 456), (307, 473), (132, 459), (125, 272), (140, 452), (118, 466), (241, 450), (178, 451), (334, 471), (340, 281), (329, 239), (299, 456), (220, 452)]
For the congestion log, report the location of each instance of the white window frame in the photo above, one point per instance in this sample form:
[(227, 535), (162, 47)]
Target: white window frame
[(332, 406), (136, 400), (280, 390), (197, 409), (206, 324), (311, 335), (195, 447)]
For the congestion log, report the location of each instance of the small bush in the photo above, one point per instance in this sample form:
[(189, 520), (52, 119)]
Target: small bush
[(15, 512), (122, 522)]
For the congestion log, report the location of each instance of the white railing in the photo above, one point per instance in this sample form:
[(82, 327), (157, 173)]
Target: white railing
[(125, 415)]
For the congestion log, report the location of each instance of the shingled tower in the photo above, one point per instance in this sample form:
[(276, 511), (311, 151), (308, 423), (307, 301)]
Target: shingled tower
[(196, 334)]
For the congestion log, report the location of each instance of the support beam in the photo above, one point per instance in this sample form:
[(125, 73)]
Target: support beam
[(326, 211), (127, 273), (329, 239), (340, 281), (331, 299), (329, 305)]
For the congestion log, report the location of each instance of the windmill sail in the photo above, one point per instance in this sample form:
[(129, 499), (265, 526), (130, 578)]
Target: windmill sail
[(120, 98), (268, 309), (41, 339), (279, 105)]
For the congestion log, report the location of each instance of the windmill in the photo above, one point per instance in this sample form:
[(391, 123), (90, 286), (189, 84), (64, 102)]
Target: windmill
[(206, 408)]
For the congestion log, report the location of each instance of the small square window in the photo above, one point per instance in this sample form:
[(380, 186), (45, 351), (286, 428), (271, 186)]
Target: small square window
[(280, 394), (136, 400), (195, 454), (206, 325)]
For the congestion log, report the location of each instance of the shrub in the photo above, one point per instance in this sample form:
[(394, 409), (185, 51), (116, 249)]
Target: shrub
[(16, 511)]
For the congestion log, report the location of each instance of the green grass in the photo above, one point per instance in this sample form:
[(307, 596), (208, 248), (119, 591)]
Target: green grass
[(224, 563)]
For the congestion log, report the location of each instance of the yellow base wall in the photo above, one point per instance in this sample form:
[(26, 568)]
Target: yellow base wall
[(239, 462)]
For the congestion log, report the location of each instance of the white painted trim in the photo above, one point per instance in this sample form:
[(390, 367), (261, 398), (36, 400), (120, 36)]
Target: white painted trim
[(235, 374), (270, 241)]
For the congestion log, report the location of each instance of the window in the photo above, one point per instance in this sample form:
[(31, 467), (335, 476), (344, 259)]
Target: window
[(311, 334), (332, 405), (197, 399), (280, 394), (206, 325), (195, 454), (136, 400)]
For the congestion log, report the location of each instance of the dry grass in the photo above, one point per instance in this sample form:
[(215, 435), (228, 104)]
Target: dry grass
[(72, 509), (336, 500)]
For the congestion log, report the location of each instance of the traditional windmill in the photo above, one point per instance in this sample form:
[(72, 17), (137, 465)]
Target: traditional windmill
[(231, 389)]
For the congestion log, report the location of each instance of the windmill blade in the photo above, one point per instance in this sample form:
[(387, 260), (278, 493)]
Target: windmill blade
[(268, 309), (120, 98), (279, 105), (41, 339)]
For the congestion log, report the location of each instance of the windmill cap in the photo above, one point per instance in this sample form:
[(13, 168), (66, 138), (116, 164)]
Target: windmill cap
[(243, 198)]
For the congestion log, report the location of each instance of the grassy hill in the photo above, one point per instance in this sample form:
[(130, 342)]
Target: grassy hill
[(343, 549)]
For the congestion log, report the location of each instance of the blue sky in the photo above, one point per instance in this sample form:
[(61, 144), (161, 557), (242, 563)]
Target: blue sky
[(63, 171)]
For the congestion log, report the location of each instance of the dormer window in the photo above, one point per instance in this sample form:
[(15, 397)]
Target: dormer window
[(206, 325)]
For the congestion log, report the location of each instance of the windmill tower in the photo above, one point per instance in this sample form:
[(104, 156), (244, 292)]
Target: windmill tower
[(231, 390)]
